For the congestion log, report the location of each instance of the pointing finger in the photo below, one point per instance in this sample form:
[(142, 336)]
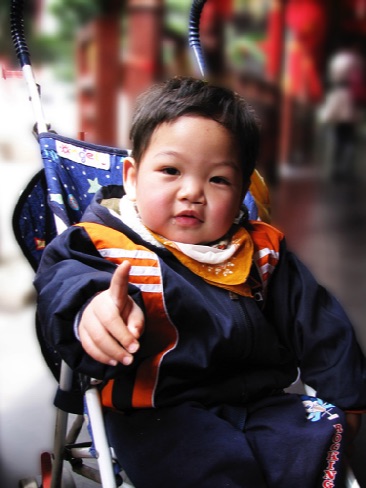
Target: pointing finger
[(119, 285)]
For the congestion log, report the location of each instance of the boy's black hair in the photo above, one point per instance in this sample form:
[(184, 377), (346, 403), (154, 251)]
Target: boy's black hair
[(176, 97)]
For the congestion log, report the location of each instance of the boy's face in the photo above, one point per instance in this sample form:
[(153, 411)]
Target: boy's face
[(188, 185)]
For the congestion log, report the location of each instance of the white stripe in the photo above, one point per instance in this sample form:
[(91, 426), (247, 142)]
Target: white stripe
[(144, 271), (266, 268), (148, 288), (264, 252), (125, 253)]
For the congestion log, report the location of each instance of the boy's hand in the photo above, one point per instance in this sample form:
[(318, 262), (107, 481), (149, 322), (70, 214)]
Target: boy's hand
[(112, 322)]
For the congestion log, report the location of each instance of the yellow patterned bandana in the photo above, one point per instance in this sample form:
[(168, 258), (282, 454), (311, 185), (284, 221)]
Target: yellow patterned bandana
[(226, 268)]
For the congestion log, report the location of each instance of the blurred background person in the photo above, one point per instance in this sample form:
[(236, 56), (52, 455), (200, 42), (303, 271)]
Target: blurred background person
[(343, 109)]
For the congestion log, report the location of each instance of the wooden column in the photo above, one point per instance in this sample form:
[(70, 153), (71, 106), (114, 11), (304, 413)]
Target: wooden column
[(98, 80), (143, 61), (275, 40)]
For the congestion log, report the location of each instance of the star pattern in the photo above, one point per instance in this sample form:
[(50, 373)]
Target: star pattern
[(65, 188), (94, 185), (56, 197)]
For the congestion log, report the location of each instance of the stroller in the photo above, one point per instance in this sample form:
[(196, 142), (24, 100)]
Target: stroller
[(54, 199)]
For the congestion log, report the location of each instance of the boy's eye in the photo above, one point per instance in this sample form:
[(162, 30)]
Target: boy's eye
[(220, 180), (170, 171)]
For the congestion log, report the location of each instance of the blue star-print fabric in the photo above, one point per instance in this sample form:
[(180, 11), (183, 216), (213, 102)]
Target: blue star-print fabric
[(75, 170)]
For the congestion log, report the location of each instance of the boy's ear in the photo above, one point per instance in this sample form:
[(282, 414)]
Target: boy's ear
[(129, 177)]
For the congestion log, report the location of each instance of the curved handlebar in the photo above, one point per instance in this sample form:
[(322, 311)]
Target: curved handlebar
[(17, 32), (194, 34), (22, 51)]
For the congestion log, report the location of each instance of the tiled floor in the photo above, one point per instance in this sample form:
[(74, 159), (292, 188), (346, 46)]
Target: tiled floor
[(325, 224)]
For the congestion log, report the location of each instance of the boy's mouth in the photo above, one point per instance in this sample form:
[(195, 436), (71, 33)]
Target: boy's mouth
[(188, 217)]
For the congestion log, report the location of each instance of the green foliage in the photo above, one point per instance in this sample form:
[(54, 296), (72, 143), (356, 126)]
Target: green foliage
[(176, 15), (73, 14)]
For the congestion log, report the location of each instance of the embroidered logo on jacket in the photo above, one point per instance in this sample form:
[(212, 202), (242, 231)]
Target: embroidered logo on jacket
[(316, 409)]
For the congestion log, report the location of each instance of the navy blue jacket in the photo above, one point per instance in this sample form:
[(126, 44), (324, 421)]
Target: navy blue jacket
[(219, 347)]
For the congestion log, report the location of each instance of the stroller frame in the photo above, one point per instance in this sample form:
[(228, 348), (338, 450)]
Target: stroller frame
[(60, 217)]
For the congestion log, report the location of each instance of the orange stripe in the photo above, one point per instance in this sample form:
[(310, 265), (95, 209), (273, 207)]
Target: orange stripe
[(148, 280), (104, 237), (106, 394), (160, 335), (266, 237)]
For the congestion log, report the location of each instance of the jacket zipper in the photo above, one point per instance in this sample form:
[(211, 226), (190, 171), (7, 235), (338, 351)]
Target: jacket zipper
[(245, 320)]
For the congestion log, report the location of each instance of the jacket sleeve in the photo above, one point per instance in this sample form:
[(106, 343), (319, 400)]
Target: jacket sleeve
[(320, 333), (71, 272)]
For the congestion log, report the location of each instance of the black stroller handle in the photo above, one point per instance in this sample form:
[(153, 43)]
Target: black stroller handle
[(17, 32), (194, 33), (22, 52)]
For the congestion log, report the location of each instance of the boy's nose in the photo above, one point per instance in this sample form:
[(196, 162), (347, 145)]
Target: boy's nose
[(191, 191)]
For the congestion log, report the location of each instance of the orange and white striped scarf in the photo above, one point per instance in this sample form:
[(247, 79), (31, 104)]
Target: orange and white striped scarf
[(226, 268)]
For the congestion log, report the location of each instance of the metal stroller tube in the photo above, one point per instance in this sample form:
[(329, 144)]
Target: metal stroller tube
[(194, 34)]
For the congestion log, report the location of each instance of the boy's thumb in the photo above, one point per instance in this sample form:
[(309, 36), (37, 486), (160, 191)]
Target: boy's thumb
[(119, 285)]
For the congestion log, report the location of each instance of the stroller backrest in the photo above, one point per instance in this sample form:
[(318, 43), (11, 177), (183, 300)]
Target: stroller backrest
[(72, 172)]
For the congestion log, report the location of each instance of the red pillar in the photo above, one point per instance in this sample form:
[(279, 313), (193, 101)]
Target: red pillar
[(98, 77), (143, 60), (305, 24), (275, 40), (286, 112)]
